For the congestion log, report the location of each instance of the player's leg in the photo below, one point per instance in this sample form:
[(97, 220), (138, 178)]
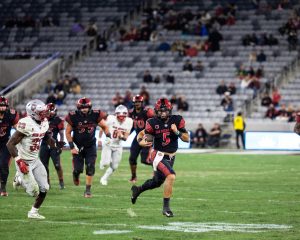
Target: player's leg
[(105, 156), (78, 163), (55, 156), (45, 156), (4, 169), (116, 157), (90, 161), (40, 175), (134, 153)]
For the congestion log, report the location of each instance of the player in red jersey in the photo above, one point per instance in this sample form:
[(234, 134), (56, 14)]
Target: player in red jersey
[(8, 119), (165, 129)]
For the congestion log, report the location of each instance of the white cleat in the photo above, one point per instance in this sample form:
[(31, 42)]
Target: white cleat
[(103, 181), (35, 215)]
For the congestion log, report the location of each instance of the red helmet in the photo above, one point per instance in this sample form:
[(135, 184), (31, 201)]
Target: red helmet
[(163, 108), (84, 103), (3, 101), (52, 109), (138, 98)]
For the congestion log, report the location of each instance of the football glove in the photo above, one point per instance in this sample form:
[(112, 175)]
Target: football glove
[(23, 166)]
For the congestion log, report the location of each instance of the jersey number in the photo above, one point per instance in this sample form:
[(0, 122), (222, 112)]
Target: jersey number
[(35, 145), (139, 124), (166, 139)]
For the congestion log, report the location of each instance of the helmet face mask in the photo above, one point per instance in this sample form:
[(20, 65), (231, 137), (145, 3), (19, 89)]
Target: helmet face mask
[(37, 110), (163, 108), (3, 104), (121, 113), (52, 110), (84, 105)]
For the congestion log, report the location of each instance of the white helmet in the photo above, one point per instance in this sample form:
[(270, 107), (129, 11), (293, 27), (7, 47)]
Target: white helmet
[(37, 110), (121, 112)]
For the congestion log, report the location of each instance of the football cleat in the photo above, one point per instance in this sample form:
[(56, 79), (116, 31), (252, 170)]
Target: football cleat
[(133, 180), (103, 181), (135, 193), (35, 215), (168, 213), (87, 194), (61, 186), (4, 194), (76, 180)]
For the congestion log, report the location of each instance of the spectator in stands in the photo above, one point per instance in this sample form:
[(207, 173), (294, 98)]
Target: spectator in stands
[(188, 66), (222, 88), (291, 113), (170, 78), (128, 99), (154, 36), (253, 41), (227, 104), (261, 57), (266, 100), (191, 51), (91, 29), (147, 77), (231, 88), (200, 136), (230, 20), (272, 41), (174, 100), (282, 113), (67, 86), (117, 100), (214, 38), (145, 94), (271, 112), (252, 57), (49, 87), (75, 87), (157, 79), (241, 72), (254, 85), (76, 28), (51, 98), (164, 46), (182, 104), (260, 72), (59, 86), (199, 66), (276, 97), (214, 136)]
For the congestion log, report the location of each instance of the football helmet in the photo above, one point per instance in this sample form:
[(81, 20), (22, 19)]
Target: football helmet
[(52, 110), (121, 112), (138, 101), (37, 110), (3, 104), (163, 108), (84, 103)]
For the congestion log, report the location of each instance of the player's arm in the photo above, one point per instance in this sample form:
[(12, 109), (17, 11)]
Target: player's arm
[(100, 136), (142, 140), (105, 128), (182, 133), (13, 141), (69, 130)]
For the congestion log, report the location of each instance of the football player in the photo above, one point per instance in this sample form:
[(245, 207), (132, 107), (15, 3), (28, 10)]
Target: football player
[(119, 127), (166, 129), (56, 126), (139, 115), (297, 125), (83, 123), (8, 119), (24, 146)]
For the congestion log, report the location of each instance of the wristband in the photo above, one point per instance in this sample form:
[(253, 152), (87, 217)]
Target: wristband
[(71, 144), (178, 133)]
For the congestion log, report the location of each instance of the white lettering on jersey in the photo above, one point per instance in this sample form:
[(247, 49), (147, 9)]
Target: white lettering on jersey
[(29, 146), (115, 126)]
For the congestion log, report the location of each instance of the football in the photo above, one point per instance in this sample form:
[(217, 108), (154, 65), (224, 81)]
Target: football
[(148, 138)]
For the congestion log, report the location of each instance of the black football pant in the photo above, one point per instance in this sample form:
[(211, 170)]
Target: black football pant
[(87, 156), (46, 153), (4, 165), (135, 150)]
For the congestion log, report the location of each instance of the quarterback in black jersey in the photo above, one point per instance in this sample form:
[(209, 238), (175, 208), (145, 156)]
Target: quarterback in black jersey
[(165, 129), (83, 124), (8, 119), (56, 126), (139, 115)]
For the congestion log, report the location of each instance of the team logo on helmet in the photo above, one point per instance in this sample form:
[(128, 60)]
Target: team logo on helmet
[(138, 98)]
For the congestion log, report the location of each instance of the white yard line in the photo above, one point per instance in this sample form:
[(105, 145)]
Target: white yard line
[(102, 232)]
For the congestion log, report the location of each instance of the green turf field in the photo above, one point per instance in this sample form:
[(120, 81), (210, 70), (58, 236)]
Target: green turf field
[(215, 197)]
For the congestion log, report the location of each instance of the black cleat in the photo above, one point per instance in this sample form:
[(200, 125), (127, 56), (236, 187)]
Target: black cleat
[(168, 213), (135, 193)]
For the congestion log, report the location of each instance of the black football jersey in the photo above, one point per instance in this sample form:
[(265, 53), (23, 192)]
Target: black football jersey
[(10, 118), (84, 126), (140, 118), (55, 125), (165, 139)]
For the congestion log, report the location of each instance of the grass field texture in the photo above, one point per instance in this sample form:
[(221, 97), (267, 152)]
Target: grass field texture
[(216, 196)]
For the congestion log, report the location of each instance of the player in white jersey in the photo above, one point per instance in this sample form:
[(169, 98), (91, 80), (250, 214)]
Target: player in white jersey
[(119, 127), (24, 146)]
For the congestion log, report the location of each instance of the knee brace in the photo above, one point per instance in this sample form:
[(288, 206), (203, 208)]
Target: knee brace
[(90, 169)]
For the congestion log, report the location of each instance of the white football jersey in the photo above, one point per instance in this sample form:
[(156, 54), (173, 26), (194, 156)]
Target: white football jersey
[(114, 126), (28, 148)]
